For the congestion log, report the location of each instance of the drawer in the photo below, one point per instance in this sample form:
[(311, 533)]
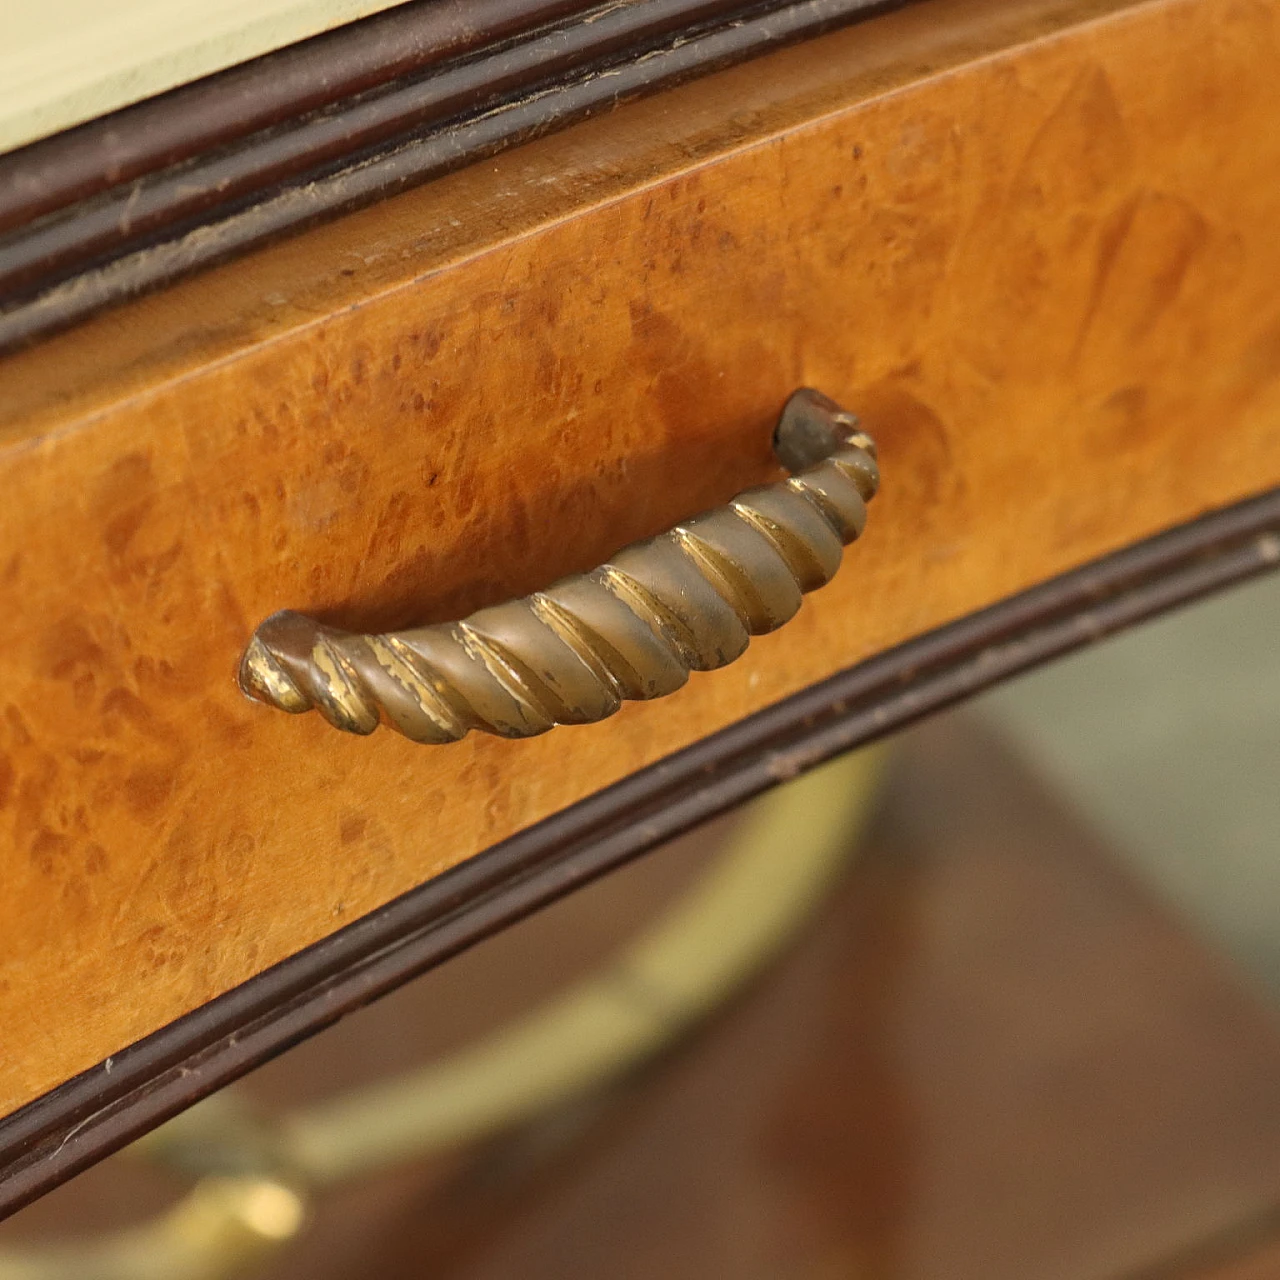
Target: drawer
[(1022, 241)]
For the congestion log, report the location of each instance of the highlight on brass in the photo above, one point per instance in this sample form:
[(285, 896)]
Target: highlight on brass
[(687, 600)]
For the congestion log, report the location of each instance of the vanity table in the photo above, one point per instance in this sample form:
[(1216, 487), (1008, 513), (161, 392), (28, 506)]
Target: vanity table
[(422, 317)]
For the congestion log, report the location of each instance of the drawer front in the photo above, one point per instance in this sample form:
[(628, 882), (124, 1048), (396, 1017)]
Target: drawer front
[(1044, 278)]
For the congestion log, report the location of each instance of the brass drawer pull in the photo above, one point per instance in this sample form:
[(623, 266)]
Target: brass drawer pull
[(687, 600)]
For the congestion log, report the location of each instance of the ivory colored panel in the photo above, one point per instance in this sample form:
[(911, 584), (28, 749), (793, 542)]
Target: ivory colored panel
[(1037, 248)]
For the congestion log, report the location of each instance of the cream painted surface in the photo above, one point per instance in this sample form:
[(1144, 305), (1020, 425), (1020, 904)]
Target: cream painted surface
[(66, 61)]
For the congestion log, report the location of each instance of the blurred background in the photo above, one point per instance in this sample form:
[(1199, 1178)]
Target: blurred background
[(1028, 1031), (1168, 741)]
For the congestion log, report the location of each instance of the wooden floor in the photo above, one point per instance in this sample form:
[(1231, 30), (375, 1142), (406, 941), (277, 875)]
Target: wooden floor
[(992, 1058)]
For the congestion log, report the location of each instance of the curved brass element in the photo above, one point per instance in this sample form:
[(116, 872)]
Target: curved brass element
[(688, 600)]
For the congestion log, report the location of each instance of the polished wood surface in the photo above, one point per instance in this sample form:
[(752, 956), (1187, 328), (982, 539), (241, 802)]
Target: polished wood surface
[(100, 1110), (991, 1057), (1033, 244)]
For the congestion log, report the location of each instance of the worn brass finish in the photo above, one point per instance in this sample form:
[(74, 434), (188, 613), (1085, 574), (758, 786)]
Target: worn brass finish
[(688, 600)]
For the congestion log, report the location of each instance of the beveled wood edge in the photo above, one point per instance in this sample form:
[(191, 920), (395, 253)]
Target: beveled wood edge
[(212, 193), (95, 1113), (224, 106)]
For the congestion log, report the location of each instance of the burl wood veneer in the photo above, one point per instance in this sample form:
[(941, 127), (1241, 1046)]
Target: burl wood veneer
[(1035, 244)]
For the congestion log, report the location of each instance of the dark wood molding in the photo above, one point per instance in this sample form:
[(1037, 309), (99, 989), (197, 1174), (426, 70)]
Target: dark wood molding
[(184, 123), (137, 199), (102, 1109)]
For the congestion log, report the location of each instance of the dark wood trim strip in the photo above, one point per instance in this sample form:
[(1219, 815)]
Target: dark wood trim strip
[(139, 235), (221, 109), (131, 215), (102, 1109)]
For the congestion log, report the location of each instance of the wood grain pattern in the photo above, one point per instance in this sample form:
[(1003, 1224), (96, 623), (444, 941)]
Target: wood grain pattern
[(1045, 276), (991, 1057), (100, 1110)]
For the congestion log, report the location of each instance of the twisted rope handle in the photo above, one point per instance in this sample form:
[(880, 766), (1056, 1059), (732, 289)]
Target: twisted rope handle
[(687, 600)]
